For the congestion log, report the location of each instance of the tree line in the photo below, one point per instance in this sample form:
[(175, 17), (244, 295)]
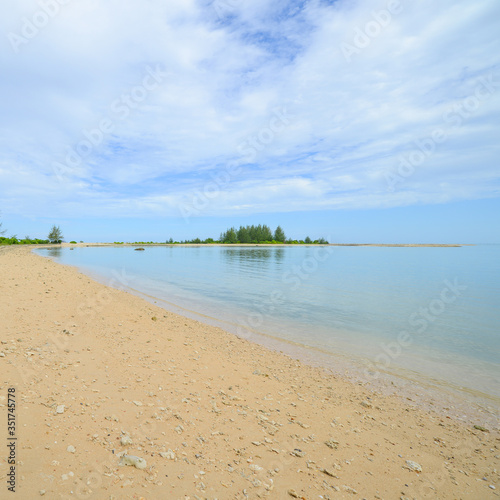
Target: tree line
[(243, 235), (253, 234)]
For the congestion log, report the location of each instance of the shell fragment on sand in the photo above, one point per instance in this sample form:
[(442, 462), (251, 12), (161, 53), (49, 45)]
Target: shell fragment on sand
[(137, 462), (413, 466)]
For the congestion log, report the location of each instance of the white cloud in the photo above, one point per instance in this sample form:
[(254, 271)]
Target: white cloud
[(223, 78)]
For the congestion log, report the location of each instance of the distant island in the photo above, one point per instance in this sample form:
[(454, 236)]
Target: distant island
[(245, 235)]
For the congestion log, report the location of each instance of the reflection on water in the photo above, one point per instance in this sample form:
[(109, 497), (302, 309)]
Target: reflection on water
[(252, 254), (54, 251)]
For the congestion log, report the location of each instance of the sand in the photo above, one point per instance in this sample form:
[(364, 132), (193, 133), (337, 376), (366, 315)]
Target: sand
[(101, 375)]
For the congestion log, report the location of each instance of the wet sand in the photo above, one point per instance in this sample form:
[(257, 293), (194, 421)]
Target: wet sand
[(101, 375)]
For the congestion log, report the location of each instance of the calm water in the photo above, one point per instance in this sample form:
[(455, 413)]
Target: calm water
[(433, 313)]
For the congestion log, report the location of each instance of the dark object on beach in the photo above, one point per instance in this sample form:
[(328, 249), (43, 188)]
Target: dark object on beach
[(481, 428), (138, 249)]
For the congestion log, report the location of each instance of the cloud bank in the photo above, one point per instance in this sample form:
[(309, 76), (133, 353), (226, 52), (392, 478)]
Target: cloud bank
[(196, 108)]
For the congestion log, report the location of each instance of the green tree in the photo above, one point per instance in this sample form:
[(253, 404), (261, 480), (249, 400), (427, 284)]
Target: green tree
[(55, 235), (308, 240), (257, 232), (243, 235), (229, 236), (267, 234), (252, 232), (279, 235)]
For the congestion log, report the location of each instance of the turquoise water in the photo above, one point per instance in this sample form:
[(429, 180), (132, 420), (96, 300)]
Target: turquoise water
[(431, 312)]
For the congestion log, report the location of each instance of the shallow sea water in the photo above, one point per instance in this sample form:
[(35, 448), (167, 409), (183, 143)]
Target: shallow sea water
[(426, 315)]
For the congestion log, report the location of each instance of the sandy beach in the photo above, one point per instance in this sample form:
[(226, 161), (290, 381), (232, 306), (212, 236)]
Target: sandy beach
[(101, 375)]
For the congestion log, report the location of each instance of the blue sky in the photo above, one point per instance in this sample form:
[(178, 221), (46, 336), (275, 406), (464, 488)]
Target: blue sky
[(367, 121)]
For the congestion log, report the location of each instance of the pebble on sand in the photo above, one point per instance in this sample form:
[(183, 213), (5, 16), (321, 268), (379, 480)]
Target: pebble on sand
[(331, 443), (125, 440), (414, 466)]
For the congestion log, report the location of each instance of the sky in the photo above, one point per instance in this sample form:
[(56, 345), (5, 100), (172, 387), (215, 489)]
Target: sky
[(358, 121)]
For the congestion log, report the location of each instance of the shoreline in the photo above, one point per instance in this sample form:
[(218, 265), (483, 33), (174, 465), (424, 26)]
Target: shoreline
[(444, 395), (268, 245), (223, 406)]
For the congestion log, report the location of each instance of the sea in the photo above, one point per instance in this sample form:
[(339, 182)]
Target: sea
[(426, 317)]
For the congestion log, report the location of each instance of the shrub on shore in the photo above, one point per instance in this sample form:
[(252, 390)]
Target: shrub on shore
[(13, 240), (55, 236)]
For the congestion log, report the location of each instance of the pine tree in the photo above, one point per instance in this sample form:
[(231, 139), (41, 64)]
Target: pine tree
[(279, 235), (229, 236), (243, 235), (55, 235), (267, 234)]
